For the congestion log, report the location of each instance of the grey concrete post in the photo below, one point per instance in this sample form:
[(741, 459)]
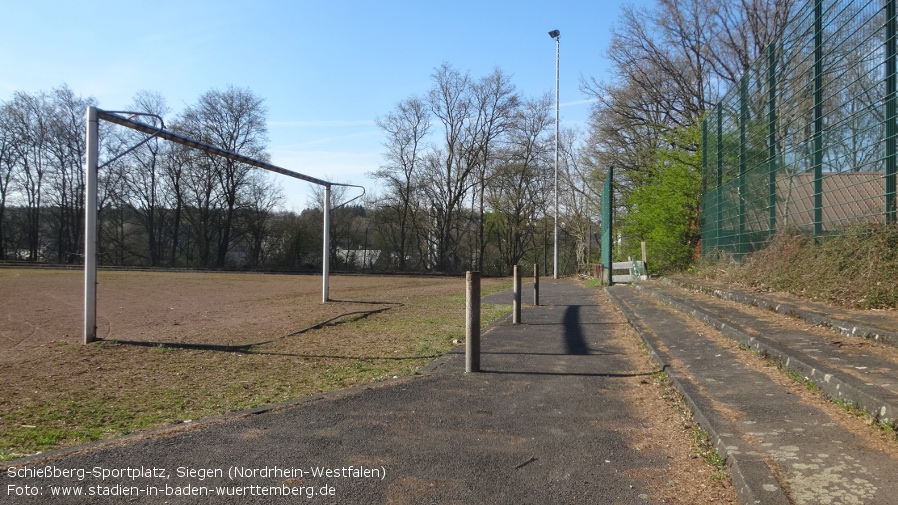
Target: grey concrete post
[(472, 322), (516, 313), (535, 284)]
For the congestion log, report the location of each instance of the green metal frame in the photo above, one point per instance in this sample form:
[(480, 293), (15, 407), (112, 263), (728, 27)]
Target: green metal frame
[(607, 226), (808, 137)]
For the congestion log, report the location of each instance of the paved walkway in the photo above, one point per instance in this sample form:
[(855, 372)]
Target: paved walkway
[(543, 423)]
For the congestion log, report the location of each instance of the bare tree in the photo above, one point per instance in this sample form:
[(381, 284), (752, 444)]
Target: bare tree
[(446, 177), (581, 198), (520, 183), (202, 205), (8, 163), (741, 31), (30, 125), (496, 105), (257, 217), (145, 177), (406, 128), (67, 152), (176, 162), (113, 225), (233, 119)]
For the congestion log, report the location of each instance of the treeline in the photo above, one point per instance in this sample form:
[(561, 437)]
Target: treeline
[(467, 184), (160, 204), (468, 179)]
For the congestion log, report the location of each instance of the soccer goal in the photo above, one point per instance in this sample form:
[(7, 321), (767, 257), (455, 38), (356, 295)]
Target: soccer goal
[(94, 115)]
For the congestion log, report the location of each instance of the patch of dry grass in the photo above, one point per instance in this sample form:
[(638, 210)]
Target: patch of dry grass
[(856, 268), (57, 392)]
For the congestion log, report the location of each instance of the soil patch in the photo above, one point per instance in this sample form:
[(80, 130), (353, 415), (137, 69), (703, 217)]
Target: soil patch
[(58, 392)]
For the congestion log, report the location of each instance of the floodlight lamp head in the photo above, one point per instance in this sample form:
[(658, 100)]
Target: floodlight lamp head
[(555, 34)]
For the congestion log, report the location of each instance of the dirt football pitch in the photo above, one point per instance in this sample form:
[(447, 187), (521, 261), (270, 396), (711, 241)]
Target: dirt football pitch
[(187, 356)]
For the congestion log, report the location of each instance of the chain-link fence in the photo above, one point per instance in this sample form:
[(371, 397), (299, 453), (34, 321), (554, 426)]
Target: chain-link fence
[(807, 138)]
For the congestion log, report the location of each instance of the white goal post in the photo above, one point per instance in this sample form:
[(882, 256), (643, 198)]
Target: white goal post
[(94, 115)]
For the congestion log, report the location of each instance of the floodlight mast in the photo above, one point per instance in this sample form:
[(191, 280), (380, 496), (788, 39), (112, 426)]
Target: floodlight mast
[(555, 34), (90, 201)]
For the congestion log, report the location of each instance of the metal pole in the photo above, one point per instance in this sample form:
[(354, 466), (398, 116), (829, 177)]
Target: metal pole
[(607, 226), (741, 246), (891, 129), (325, 255), (771, 138), (645, 260), (516, 312), (557, 68), (718, 193), (90, 226), (818, 118), (706, 241), (535, 284), (472, 322)]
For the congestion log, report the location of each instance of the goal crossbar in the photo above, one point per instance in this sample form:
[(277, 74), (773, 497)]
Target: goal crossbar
[(90, 201), (196, 144)]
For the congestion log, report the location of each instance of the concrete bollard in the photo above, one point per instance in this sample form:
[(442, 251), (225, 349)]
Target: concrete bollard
[(516, 314), (472, 322), (535, 284)]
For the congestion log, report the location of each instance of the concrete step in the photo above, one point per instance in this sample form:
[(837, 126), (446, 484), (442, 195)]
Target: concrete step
[(856, 372), (879, 325), (779, 448)]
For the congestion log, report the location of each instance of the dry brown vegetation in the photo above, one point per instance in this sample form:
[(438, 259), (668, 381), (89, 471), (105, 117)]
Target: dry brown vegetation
[(855, 269)]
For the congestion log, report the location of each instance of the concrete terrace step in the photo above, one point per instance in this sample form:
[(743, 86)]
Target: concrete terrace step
[(779, 449), (862, 375), (880, 325)]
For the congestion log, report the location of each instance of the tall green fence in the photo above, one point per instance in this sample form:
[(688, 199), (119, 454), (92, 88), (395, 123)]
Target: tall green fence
[(807, 137)]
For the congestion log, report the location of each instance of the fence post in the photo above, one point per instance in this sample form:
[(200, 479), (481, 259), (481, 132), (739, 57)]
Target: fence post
[(607, 217), (535, 284), (743, 160), (771, 138), (818, 119), (718, 194), (891, 112), (645, 261), (516, 313), (472, 322)]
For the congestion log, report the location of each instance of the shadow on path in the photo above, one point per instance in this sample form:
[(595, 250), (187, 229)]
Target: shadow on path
[(573, 334), (575, 374)]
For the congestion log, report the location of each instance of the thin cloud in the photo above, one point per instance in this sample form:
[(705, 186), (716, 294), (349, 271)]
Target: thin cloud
[(331, 140), (332, 123), (578, 102)]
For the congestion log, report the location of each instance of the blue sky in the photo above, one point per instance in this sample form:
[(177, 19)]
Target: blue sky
[(326, 69)]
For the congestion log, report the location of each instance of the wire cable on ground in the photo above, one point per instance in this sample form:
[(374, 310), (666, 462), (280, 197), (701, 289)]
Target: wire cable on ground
[(361, 314)]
